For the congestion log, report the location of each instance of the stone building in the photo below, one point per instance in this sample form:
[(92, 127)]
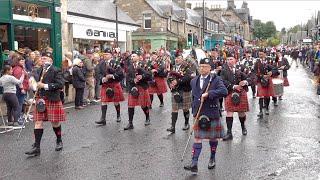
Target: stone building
[(163, 23)]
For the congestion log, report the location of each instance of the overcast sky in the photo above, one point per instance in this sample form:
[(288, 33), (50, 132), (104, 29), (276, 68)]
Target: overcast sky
[(282, 13)]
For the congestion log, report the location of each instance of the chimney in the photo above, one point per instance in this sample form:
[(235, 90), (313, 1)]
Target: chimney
[(231, 4), (188, 5), (244, 5), (181, 3)]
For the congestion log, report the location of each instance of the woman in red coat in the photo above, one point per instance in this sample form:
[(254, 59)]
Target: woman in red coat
[(18, 68)]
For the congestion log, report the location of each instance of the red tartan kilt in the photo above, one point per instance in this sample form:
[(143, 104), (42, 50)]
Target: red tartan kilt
[(54, 112), (286, 82), (265, 91), (215, 131), (160, 86), (142, 100), (118, 93), (242, 107)]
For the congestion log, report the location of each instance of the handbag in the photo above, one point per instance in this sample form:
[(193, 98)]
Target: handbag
[(41, 105), (178, 98), (110, 92), (264, 82), (134, 92)]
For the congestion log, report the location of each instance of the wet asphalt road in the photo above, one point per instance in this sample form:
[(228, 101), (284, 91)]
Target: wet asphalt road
[(283, 145)]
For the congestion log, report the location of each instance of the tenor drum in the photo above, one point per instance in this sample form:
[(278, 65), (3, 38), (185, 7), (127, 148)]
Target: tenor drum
[(278, 87)]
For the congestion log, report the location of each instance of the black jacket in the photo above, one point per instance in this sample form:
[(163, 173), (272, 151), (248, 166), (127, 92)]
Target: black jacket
[(261, 69), (183, 81), (54, 78), (112, 68), (78, 78), (132, 73), (230, 78)]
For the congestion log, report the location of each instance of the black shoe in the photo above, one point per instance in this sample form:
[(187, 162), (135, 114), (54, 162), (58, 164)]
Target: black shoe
[(260, 115), (267, 112), (150, 107), (171, 129), (186, 127), (192, 168), (34, 151), (280, 98), (161, 105), (119, 119), (128, 127), (227, 137), (147, 122), (59, 146), (244, 131), (101, 122), (211, 164), (253, 96), (275, 103)]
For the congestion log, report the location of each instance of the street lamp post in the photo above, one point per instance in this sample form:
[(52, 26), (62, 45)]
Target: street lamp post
[(202, 41), (117, 23)]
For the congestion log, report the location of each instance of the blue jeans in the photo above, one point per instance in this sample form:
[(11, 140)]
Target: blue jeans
[(21, 97)]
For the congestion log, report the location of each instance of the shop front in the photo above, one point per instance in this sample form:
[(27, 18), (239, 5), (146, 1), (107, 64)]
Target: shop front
[(34, 24), (90, 33), (151, 42)]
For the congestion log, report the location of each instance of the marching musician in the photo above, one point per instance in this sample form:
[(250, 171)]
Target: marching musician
[(208, 126), (48, 103), (179, 83), (282, 64), (237, 83), (137, 79), (263, 71), (157, 66), (110, 75), (247, 67)]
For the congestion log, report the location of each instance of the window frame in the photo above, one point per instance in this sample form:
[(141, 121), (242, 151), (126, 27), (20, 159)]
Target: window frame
[(147, 18)]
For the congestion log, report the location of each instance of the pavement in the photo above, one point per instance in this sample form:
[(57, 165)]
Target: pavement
[(283, 145)]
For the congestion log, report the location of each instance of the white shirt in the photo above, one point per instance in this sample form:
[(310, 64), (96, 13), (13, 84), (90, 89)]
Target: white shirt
[(202, 79)]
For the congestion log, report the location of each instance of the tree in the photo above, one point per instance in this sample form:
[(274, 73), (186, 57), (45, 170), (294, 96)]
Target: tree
[(264, 30), (283, 31)]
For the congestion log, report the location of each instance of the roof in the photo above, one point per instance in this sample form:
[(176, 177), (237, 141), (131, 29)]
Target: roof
[(162, 8), (103, 9), (193, 17)]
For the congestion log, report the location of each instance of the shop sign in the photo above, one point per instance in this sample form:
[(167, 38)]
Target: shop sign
[(97, 33)]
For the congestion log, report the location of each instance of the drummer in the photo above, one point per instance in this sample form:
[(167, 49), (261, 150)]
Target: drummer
[(282, 65)]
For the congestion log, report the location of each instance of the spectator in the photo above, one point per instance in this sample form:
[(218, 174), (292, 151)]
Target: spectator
[(89, 75), (97, 86), (18, 70), (30, 61), (66, 70), (78, 81), (9, 83)]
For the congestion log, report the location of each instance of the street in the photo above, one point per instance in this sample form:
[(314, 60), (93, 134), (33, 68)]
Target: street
[(283, 145)]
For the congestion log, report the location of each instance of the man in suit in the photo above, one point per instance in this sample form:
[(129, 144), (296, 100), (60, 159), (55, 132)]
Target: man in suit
[(48, 103), (209, 111)]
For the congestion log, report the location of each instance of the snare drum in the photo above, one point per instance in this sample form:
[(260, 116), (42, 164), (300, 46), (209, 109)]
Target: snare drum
[(277, 87)]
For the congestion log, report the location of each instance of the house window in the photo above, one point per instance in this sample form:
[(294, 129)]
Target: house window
[(147, 21)]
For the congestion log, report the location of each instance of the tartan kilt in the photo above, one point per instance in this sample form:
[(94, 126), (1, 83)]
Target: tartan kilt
[(118, 93), (54, 112), (286, 82), (242, 107), (186, 103), (160, 86), (216, 130), (142, 100), (265, 91)]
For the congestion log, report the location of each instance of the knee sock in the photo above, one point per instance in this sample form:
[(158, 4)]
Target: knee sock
[(186, 117), (229, 121), (38, 135), (174, 117), (260, 104), (130, 113), (196, 150), (160, 96), (267, 102), (242, 120), (151, 98), (57, 131), (146, 112), (213, 148), (104, 112), (117, 109)]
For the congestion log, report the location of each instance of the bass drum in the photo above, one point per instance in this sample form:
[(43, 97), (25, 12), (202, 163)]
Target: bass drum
[(278, 87)]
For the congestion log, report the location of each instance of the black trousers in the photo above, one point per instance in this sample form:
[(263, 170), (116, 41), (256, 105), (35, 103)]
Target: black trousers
[(12, 106), (79, 97)]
